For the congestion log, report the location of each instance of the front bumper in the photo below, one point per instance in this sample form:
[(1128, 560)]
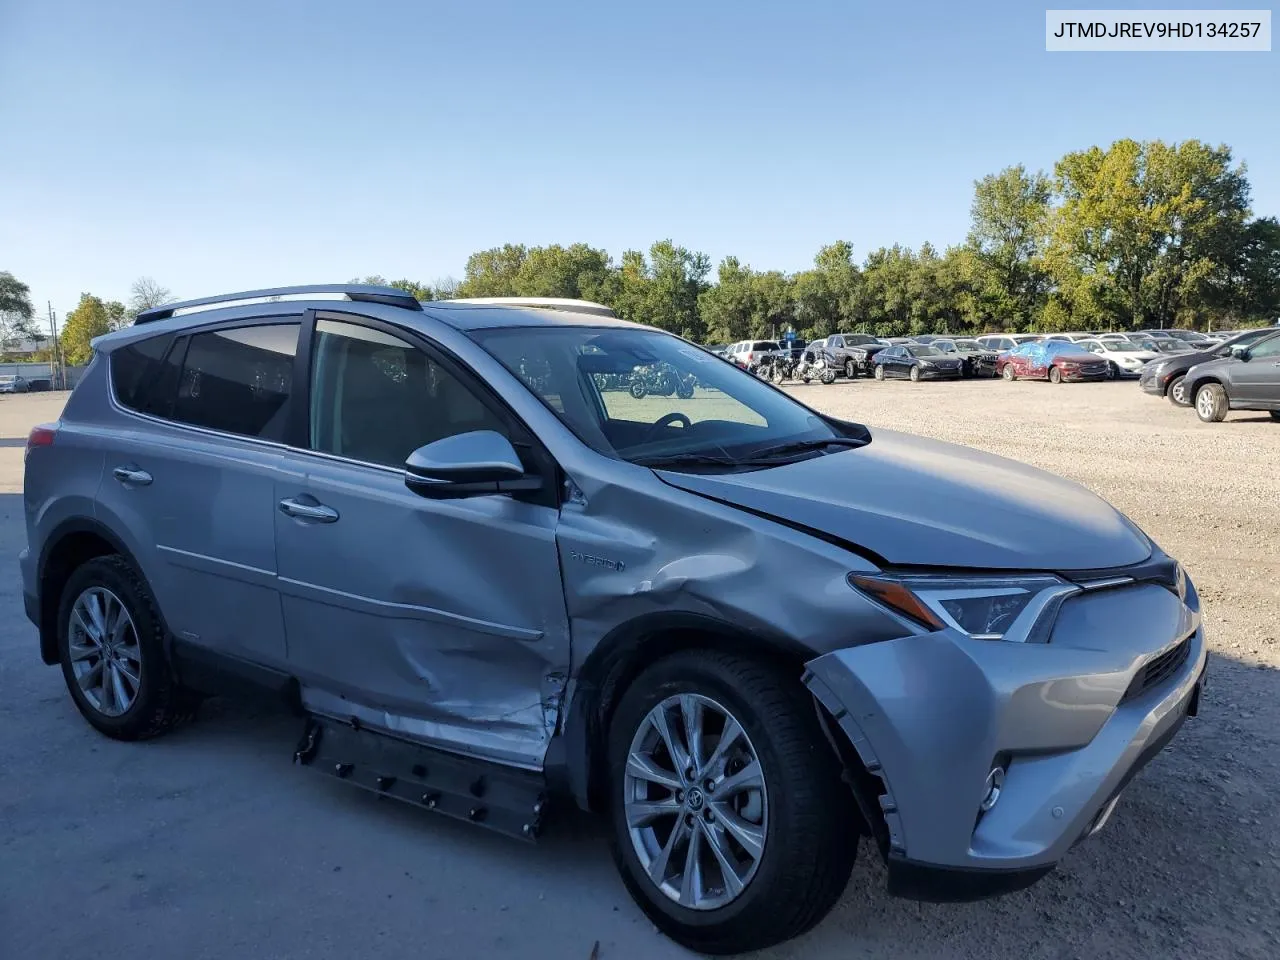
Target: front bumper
[(1080, 376), (1152, 384), (930, 714), (936, 374)]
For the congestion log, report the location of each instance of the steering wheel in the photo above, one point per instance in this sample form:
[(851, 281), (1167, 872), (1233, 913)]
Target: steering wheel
[(667, 421)]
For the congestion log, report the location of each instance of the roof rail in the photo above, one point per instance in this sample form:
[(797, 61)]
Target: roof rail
[(539, 303), (358, 292)]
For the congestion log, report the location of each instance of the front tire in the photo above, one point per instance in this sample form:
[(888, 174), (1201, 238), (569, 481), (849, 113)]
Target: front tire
[(850, 370), (880, 371), (1112, 370), (638, 390), (1211, 403), (1008, 373), (112, 651), (914, 374), (1055, 375), (755, 846), (1178, 392)]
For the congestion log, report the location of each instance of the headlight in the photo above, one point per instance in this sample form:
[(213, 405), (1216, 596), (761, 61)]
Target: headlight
[(926, 363), (1017, 609)]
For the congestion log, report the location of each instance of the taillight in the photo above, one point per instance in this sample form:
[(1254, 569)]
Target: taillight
[(41, 436)]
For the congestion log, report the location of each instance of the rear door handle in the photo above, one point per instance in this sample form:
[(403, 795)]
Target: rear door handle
[(308, 511), (132, 475)]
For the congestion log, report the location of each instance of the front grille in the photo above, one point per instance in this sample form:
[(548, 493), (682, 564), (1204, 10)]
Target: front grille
[(1157, 670)]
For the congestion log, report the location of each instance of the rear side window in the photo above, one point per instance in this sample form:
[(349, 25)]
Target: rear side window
[(239, 380), (134, 368)]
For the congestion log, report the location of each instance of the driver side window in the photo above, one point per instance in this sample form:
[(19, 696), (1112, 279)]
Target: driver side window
[(1266, 349), (377, 398)]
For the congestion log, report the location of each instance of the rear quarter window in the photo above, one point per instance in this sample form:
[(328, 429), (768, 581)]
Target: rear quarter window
[(134, 368)]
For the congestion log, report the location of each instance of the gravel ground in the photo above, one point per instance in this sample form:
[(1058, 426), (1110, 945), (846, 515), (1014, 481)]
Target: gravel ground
[(208, 844)]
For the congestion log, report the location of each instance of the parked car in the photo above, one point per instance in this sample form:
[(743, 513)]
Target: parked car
[(1126, 359), (976, 361), (1163, 345), (1193, 337), (1001, 342), (793, 349), (916, 361), (11, 383), (750, 352), (1051, 360), (1164, 377), (897, 341), (745, 639), (852, 353), (1247, 378)]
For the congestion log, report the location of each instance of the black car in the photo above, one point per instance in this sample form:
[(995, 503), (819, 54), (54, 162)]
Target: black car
[(1164, 378), (917, 361), (853, 352), (976, 360)]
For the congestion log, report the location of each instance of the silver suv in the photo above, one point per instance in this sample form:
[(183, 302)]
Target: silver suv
[(488, 578)]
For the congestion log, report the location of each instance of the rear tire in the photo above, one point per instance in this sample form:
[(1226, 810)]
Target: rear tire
[(802, 810), (1055, 375), (1211, 403), (638, 390), (133, 655), (1177, 392)]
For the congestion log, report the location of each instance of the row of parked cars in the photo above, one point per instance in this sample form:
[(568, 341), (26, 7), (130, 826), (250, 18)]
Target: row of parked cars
[(1213, 373)]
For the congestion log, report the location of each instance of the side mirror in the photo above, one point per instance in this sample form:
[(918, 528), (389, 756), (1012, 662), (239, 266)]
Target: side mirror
[(1240, 352), (476, 464)]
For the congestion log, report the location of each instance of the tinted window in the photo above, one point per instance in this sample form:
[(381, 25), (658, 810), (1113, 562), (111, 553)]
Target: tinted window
[(377, 398), (239, 380), (925, 350), (134, 367), (1267, 348), (764, 345)]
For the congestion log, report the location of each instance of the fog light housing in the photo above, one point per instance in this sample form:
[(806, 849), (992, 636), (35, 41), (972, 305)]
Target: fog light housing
[(995, 785)]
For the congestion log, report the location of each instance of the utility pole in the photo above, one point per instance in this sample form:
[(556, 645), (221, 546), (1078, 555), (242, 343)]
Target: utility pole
[(55, 365)]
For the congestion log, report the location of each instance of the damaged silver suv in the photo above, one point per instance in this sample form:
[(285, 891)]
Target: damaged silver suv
[(488, 577)]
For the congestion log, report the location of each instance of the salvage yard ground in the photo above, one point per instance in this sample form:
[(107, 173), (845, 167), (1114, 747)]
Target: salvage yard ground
[(208, 844)]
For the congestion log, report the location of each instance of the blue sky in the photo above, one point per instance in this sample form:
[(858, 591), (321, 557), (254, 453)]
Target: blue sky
[(230, 145)]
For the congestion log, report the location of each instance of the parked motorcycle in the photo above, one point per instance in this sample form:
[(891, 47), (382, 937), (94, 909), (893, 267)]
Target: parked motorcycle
[(661, 381), (777, 368), (816, 369)]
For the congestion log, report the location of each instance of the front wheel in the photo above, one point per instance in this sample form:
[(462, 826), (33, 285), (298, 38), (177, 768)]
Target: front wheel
[(638, 389), (827, 377), (1211, 403), (879, 371), (1112, 370), (850, 369), (1178, 392), (731, 826), (914, 374), (1055, 375), (1275, 414), (1008, 373), (685, 389)]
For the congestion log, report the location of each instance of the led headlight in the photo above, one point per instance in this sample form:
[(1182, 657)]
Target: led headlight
[(1018, 608)]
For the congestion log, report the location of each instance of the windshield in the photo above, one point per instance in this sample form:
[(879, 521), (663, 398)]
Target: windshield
[(858, 339), (968, 345), (924, 350), (1123, 346), (636, 394)]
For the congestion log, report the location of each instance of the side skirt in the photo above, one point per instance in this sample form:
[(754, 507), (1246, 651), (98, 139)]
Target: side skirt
[(506, 800)]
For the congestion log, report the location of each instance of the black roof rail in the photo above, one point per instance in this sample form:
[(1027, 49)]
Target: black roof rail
[(359, 292)]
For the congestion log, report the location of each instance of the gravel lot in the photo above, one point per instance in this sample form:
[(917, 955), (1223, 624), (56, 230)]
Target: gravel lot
[(208, 844)]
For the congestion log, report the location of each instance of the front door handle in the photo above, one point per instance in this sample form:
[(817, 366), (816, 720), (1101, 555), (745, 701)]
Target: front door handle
[(308, 511), (132, 475)]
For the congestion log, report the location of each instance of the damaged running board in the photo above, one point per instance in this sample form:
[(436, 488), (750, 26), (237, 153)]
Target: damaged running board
[(506, 800)]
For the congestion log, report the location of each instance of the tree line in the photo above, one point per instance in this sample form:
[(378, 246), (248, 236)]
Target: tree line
[(1131, 236)]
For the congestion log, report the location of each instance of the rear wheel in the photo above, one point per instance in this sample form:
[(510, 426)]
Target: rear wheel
[(1211, 403), (111, 646), (1055, 375), (638, 389), (731, 826), (1008, 373), (1178, 392)]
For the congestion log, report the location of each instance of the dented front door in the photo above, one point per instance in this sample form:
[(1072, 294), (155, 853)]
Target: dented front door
[(441, 620)]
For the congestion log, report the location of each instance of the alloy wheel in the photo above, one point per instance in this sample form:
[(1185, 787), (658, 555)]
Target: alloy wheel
[(106, 658), (696, 803)]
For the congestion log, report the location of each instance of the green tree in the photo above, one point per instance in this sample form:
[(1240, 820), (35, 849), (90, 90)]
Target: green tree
[(91, 318), (1009, 227), (663, 289), (1144, 228), (17, 317), (829, 298), (727, 307), (577, 272), (419, 291), (493, 272), (1247, 286)]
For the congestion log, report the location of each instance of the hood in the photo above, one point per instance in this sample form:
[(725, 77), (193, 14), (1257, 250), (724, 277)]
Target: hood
[(921, 502)]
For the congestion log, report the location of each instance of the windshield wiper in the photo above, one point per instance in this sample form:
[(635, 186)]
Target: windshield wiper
[(804, 446), (677, 460)]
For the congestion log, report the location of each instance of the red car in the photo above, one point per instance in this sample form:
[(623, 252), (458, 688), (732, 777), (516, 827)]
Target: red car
[(1052, 360)]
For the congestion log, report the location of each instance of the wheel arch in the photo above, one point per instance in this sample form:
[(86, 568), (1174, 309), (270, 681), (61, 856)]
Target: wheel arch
[(576, 760), (70, 545)]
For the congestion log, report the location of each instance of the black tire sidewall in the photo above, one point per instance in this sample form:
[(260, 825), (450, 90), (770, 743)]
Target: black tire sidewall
[(661, 682), (1219, 412), (1176, 381), (154, 685)]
